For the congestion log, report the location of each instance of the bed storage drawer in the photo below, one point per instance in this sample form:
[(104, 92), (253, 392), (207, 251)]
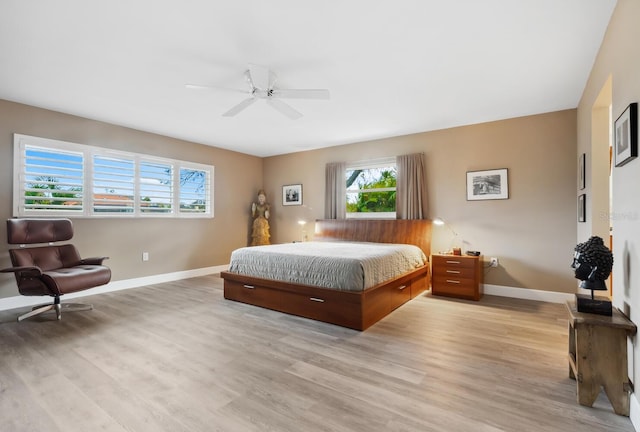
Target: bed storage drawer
[(323, 308), (253, 294), (399, 294), (322, 305), (419, 286)]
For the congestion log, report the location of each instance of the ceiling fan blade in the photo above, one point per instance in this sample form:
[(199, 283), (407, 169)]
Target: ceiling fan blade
[(260, 76), (284, 108), (241, 106), (198, 87), (301, 93), (208, 87), (247, 76), (273, 78)]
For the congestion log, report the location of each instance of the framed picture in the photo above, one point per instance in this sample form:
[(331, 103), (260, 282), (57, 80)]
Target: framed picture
[(582, 208), (487, 185), (292, 195), (581, 171), (626, 135)]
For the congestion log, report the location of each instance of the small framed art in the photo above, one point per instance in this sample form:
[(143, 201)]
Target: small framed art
[(625, 145), (582, 208), (581, 171), (292, 195), (487, 185)]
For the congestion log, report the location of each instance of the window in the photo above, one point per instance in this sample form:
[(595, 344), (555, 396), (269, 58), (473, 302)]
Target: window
[(371, 189), (194, 185), (66, 179), (52, 180), (113, 184), (156, 187)]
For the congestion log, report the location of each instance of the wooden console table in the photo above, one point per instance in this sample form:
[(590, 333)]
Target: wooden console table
[(598, 356)]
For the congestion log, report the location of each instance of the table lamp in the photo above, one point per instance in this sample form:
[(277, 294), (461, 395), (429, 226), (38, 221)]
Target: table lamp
[(455, 247)]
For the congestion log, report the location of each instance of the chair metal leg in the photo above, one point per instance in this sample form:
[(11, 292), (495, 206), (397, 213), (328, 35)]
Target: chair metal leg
[(76, 307), (58, 307), (36, 311)]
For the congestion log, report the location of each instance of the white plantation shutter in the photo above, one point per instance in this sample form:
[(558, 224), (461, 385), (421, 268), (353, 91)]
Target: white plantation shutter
[(50, 181), (61, 178), (195, 189), (155, 187), (113, 184)]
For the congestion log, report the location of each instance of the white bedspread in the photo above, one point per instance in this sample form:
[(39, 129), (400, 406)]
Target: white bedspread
[(345, 266)]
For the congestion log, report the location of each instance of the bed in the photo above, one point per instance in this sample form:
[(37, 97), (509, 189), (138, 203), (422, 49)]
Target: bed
[(341, 305)]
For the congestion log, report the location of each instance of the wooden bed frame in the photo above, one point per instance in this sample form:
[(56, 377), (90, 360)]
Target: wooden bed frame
[(356, 310)]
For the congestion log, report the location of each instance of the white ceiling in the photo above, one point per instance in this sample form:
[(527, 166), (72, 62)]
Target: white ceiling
[(393, 67)]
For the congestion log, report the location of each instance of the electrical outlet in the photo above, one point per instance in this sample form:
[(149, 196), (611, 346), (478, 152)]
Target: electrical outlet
[(493, 262), (145, 256)]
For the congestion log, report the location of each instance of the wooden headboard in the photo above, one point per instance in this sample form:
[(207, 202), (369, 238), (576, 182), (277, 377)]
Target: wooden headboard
[(409, 231)]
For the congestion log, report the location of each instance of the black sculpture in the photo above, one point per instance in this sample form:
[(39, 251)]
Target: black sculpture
[(592, 262)]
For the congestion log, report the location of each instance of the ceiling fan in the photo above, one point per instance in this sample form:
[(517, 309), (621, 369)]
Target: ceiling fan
[(262, 85)]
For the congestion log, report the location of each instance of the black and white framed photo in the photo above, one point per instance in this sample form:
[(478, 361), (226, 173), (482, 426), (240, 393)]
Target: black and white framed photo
[(487, 185), (582, 166), (626, 135), (292, 194), (582, 208)]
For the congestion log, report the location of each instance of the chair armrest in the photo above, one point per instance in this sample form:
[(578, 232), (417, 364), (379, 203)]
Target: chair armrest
[(93, 260), (35, 270)]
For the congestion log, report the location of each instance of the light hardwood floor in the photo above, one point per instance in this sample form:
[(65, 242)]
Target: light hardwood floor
[(178, 357)]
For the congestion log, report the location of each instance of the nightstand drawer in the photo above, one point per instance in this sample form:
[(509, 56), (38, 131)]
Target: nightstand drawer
[(455, 272), (446, 281), (453, 288), (453, 261)]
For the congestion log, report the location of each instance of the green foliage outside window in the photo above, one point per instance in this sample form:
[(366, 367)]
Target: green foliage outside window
[(375, 190), (50, 193)]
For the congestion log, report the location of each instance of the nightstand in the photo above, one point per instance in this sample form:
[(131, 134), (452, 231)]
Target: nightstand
[(457, 276)]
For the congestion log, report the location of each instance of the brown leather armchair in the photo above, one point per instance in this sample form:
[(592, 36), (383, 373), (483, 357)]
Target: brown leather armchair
[(51, 270)]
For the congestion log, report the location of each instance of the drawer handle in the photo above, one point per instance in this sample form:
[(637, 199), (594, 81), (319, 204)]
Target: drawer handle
[(453, 271), (453, 281), (315, 299), (453, 262), (249, 286), (402, 287)]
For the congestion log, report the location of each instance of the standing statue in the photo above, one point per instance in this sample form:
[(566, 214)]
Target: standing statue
[(260, 212)]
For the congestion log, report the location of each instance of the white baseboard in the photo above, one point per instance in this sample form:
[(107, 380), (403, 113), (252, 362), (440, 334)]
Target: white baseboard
[(527, 294), (26, 301)]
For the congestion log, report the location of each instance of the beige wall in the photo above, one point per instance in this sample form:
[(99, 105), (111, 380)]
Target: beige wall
[(173, 244), (533, 233), (619, 61)]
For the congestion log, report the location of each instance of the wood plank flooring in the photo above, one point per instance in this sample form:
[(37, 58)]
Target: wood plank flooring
[(178, 357)]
